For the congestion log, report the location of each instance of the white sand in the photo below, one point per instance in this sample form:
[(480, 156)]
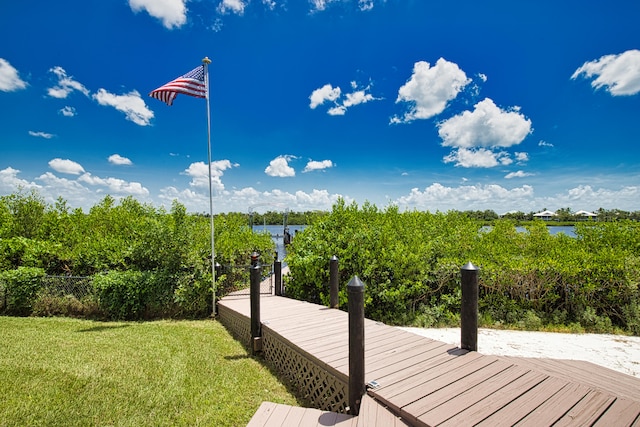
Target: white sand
[(617, 352)]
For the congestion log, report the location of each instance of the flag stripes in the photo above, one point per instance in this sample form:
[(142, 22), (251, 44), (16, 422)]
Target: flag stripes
[(191, 84)]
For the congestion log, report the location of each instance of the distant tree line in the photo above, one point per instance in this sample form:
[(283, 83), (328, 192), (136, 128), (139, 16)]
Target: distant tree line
[(284, 217), (563, 215)]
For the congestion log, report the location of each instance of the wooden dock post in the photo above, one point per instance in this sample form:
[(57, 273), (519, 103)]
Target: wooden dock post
[(277, 273), (469, 307), (254, 295), (333, 282), (355, 290)]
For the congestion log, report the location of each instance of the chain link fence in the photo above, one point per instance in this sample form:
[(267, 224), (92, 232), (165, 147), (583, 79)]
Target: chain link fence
[(266, 284), (61, 286), (81, 287), (3, 296)]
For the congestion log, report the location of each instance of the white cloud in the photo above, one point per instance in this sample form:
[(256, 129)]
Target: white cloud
[(518, 174), (115, 185), (338, 110), (74, 192), (67, 111), (470, 196), (313, 165), (479, 158), (331, 94), (357, 97), (131, 104), (430, 89), (199, 173), (66, 84), (365, 5), (232, 6), (485, 126), (279, 167), (618, 74), (9, 181), (9, 77), (270, 4), (66, 166), (543, 143), (319, 5), (521, 157), (240, 199), (172, 13), (323, 94), (117, 159), (44, 135)]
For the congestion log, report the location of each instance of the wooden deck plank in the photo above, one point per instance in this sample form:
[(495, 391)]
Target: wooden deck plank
[(445, 387), (373, 413), (484, 408), (621, 412), (413, 388), (262, 414), (588, 410), (373, 348), (461, 397), (429, 382), (556, 406), (311, 337), (402, 357), (278, 416), (391, 345), (587, 373), (295, 416), (305, 321), (519, 408)]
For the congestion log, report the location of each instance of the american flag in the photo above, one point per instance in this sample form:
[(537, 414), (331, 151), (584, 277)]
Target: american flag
[(191, 84)]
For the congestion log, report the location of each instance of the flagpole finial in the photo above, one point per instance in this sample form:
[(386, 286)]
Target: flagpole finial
[(206, 60)]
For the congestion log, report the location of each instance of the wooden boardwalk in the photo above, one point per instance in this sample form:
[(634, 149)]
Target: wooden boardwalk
[(421, 382)]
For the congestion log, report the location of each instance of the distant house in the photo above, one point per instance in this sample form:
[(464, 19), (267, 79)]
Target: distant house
[(545, 215), (585, 215)]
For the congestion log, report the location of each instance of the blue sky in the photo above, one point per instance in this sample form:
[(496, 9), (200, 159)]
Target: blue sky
[(464, 105)]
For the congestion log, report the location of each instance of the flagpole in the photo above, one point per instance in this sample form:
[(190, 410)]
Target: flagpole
[(205, 62)]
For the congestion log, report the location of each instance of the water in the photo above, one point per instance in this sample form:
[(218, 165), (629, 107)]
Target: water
[(569, 230), (277, 234)]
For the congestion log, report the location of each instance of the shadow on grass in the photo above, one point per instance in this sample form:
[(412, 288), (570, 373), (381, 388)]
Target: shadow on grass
[(102, 328), (302, 400), (238, 357)]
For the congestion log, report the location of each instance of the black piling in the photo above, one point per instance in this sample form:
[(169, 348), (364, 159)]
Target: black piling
[(256, 344), (469, 307), (333, 282), (355, 290)]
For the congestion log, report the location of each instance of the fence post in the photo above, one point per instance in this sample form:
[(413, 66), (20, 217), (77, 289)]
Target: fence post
[(256, 344), (333, 282), (355, 290), (469, 307), (277, 273)]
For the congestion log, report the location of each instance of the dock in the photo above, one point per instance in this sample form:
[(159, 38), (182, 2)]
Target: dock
[(416, 381)]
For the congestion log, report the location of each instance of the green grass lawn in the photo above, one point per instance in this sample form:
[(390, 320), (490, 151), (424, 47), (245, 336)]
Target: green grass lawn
[(68, 372)]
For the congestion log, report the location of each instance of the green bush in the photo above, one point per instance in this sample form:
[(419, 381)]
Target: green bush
[(157, 263), (48, 305), (404, 259), (21, 287), (193, 295), (133, 295), (410, 264)]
